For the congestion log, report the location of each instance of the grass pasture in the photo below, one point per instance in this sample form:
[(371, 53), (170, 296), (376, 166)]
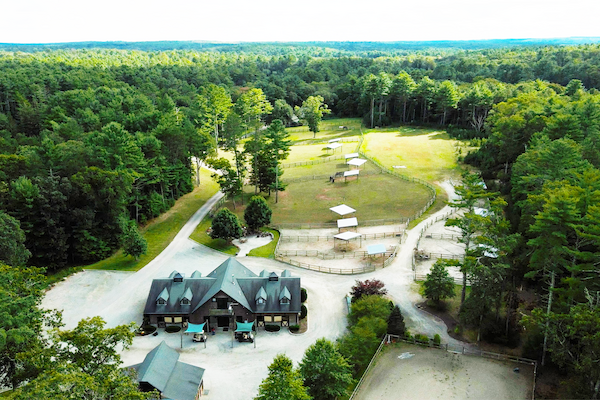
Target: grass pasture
[(328, 129), (428, 154), (437, 374), (326, 168), (317, 151), (379, 196)]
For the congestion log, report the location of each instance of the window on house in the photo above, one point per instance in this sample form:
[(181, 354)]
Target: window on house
[(185, 301), (285, 300), (161, 301), (222, 303), (277, 318), (260, 301), (268, 318), (169, 320)]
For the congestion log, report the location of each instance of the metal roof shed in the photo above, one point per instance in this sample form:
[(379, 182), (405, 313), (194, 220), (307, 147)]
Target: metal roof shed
[(351, 155), (347, 236), (351, 173), (333, 146), (342, 210), (357, 162), (347, 223)]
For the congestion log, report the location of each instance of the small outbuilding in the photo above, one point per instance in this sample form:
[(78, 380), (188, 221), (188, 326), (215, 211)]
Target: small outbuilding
[(162, 370), (347, 223), (342, 210)]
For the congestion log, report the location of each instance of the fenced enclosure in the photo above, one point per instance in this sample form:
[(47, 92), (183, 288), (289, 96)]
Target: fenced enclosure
[(444, 371)]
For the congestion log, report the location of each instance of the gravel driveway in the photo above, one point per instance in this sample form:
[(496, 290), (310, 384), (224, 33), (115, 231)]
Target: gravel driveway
[(233, 373)]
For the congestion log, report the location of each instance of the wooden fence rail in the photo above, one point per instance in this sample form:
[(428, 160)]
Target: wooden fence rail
[(328, 256), (365, 236), (318, 268)]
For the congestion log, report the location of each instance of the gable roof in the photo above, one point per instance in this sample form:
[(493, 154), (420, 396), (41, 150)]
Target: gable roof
[(261, 294), (285, 294), (174, 379), (234, 280), (226, 276)]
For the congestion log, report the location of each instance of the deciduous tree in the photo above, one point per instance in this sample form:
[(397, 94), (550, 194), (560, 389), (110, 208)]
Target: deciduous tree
[(225, 225), (283, 382), (326, 373)]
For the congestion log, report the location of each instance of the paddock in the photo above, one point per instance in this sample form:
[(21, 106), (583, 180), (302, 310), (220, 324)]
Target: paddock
[(406, 371)]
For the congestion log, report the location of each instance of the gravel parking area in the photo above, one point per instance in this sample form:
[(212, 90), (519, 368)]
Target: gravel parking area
[(235, 373)]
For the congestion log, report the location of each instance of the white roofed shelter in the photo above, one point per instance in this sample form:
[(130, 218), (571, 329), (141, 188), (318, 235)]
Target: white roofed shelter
[(357, 162), (333, 140), (347, 223), (342, 210), (333, 146), (354, 172), (351, 155), (376, 249), (347, 236)]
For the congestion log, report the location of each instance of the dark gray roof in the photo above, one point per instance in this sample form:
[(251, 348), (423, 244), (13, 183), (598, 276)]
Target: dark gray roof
[(174, 379), (231, 278), (225, 276)]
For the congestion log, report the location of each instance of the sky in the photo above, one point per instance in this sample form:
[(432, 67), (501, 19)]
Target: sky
[(56, 21)]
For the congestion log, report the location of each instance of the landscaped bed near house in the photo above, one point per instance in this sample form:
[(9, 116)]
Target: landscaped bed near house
[(199, 235)]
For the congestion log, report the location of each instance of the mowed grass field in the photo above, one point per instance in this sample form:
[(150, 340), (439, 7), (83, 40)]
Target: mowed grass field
[(379, 196), (327, 168), (317, 151), (427, 154), (426, 373), (328, 129)]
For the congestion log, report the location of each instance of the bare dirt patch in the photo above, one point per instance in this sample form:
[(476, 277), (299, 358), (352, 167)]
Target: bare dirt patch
[(404, 371)]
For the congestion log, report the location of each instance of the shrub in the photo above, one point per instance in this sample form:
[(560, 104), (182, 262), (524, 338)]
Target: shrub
[(437, 339), (148, 328), (272, 328), (303, 295), (294, 328), (419, 338), (303, 312), (172, 329)]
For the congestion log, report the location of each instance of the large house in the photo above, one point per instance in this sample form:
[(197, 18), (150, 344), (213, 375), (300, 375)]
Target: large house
[(162, 370), (229, 293)]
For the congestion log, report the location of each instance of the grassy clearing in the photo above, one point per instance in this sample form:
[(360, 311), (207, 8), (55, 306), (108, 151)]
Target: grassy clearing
[(317, 152), (328, 168), (199, 235), (427, 154), (160, 231), (329, 129), (268, 250), (374, 197)]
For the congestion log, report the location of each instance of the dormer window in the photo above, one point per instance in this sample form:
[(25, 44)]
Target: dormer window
[(176, 276), (163, 297), (261, 296), (186, 299), (285, 297)]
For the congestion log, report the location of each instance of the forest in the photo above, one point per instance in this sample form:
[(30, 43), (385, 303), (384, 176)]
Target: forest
[(96, 142)]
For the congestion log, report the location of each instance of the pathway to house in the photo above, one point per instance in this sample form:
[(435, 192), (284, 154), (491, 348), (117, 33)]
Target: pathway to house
[(233, 371)]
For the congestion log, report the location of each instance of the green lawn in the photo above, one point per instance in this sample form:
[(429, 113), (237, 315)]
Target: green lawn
[(161, 231), (374, 197), (199, 235), (317, 152), (427, 154), (268, 250), (327, 168), (328, 129)]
